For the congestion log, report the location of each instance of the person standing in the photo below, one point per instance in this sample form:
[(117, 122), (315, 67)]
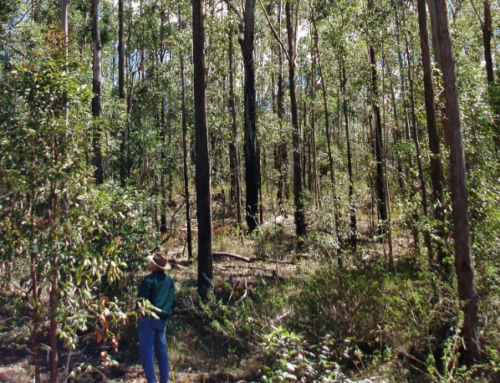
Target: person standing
[(158, 289)]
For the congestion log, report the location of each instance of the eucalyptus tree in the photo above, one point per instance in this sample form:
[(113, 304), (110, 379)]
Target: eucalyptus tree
[(96, 88), (436, 169), (458, 184), (203, 187), (246, 41)]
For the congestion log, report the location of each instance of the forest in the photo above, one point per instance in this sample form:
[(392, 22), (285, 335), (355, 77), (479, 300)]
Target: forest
[(322, 175)]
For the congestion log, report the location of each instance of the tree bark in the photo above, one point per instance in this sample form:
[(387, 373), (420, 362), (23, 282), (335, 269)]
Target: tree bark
[(427, 234), (352, 209), (251, 158), (282, 149), (185, 150), (487, 32), (203, 187), (236, 170), (329, 145), (121, 89), (379, 149), (313, 127), (436, 166), (463, 260), (301, 229), (96, 89)]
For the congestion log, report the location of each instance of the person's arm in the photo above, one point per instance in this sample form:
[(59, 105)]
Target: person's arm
[(144, 290), (170, 299)]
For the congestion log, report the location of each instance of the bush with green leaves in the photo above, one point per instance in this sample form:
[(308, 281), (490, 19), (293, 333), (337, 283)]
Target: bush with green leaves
[(75, 241)]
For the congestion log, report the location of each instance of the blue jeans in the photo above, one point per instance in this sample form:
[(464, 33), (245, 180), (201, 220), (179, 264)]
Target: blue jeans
[(152, 340)]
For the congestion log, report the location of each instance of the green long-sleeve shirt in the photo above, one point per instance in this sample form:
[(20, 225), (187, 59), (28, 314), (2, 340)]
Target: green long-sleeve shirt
[(158, 288)]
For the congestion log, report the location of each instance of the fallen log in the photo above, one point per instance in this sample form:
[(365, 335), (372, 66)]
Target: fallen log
[(184, 262), (235, 256)]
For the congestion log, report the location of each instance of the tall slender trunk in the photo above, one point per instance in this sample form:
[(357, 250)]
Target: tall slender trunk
[(121, 89), (96, 89), (297, 171), (458, 179), (427, 234), (431, 5), (35, 313), (203, 187), (379, 149), (436, 167), (313, 128), (352, 209), (54, 280), (64, 26), (163, 214), (185, 149), (234, 131), (251, 158), (282, 149), (329, 144), (487, 33)]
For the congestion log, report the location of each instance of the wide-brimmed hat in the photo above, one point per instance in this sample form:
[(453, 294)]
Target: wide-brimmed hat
[(160, 260)]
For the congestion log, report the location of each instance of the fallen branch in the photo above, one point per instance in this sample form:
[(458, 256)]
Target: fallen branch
[(235, 256), (184, 262), (225, 267), (272, 261)]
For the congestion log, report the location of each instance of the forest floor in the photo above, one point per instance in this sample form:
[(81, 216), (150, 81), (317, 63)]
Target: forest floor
[(196, 353)]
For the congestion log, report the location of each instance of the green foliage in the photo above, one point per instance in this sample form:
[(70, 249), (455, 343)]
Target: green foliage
[(295, 359)]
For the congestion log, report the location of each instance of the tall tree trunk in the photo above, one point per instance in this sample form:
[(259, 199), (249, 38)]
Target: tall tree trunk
[(64, 26), (35, 313), (313, 128), (427, 234), (184, 147), (163, 214), (96, 89), (121, 89), (329, 144), (236, 170), (203, 187), (251, 158), (379, 149), (352, 209), (487, 33), (463, 261), (282, 149), (431, 4), (297, 171), (54, 272), (436, 167)]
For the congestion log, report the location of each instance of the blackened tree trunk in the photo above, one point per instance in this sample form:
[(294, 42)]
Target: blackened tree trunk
[(121, 89), (282, 155), (251, 157), (96, 89), (379, 149), (297, 173), (487, 33), (458, 180), (185, 150), (436, 166), (352, 209), (235, 170), (203, 187)]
